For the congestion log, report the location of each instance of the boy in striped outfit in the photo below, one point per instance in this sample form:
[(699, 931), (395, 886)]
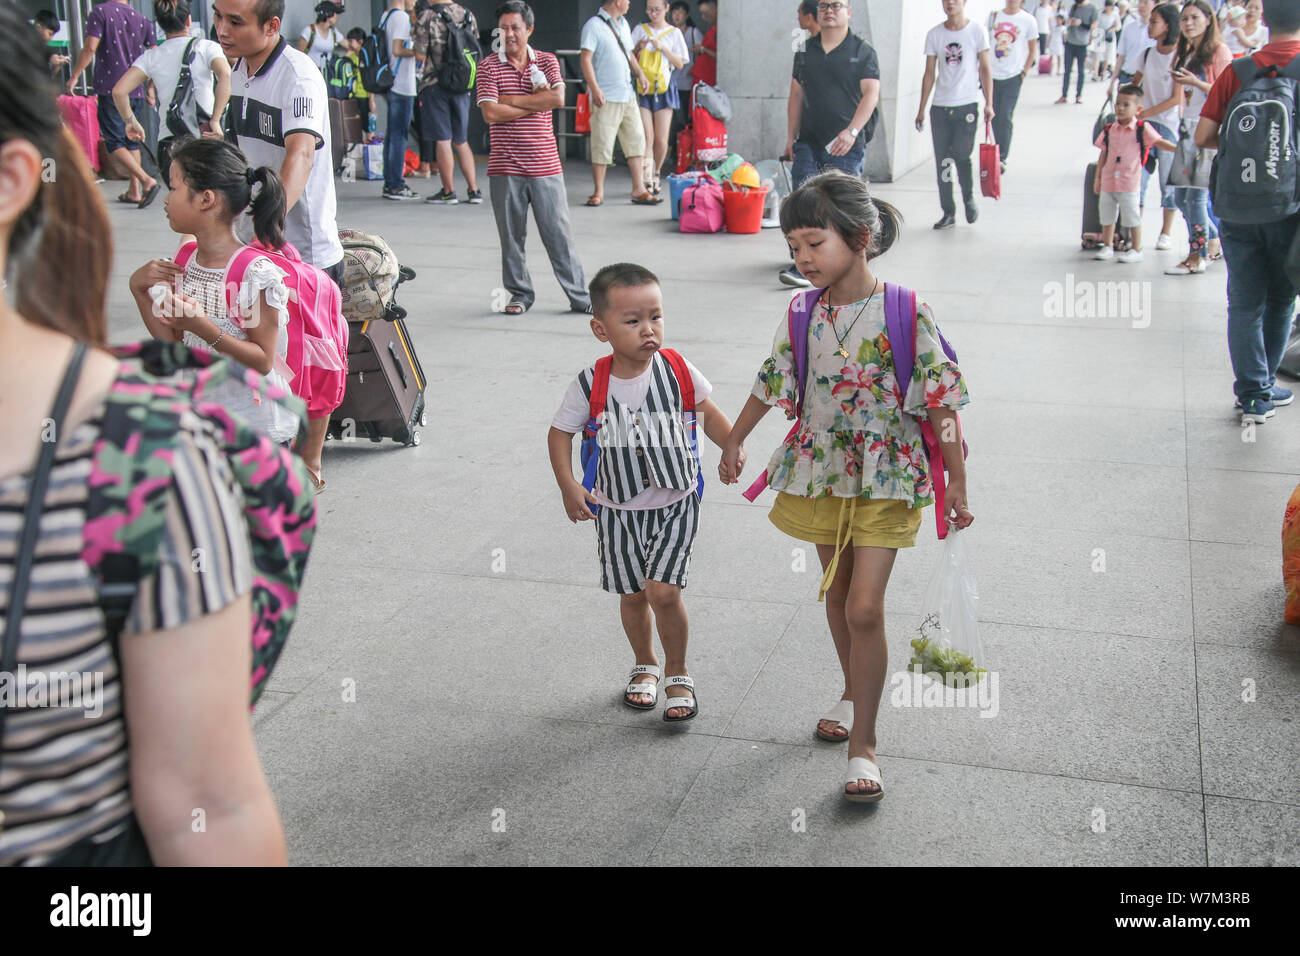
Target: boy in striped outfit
[(647, 479)]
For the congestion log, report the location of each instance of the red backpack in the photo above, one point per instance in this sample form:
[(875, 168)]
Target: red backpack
[(318, 334), (600, 392)]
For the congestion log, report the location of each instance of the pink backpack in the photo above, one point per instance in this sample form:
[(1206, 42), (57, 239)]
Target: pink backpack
[(702, 207), (318, 334)]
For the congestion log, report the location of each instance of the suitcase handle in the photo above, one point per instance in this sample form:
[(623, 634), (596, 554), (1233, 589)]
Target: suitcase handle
[(397, 363)]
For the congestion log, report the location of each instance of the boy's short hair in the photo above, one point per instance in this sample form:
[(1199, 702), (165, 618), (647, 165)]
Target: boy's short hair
[(808, 8), (47, 19), (1282, 16), (1130, 89), (358, 34), (620, 275)]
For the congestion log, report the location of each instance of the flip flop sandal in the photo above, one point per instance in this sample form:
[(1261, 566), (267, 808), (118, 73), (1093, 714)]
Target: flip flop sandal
[(646, 200), (680, 703), (860, 768), (643, 687), (516, 308), (594, 201), (149, 196), (125, 198), (842, 714), (316, 481)]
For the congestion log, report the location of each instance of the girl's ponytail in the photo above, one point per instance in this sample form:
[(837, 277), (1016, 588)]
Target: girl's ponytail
[(891, 223), (267, 207)]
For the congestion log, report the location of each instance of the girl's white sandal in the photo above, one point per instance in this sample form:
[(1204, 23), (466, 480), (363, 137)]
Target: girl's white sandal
[(860, 768), (643, 687), (842, 714)]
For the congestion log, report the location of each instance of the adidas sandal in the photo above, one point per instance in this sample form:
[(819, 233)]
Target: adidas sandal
[(680, 703), (643, 687)]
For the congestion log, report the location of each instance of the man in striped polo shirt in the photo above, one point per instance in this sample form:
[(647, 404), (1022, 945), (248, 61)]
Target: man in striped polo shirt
[(518, 87)]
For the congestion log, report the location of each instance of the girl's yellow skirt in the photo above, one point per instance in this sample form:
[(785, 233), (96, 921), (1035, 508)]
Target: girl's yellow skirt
[(860, 522)]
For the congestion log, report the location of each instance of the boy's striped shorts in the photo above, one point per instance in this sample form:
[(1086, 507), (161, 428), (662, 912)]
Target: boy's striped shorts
[(655, 545)]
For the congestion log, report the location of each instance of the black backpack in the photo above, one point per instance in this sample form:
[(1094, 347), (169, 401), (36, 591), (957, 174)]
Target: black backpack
[(459, 68), (340, 77), (376, 73), (185, 117), (1257, 171)]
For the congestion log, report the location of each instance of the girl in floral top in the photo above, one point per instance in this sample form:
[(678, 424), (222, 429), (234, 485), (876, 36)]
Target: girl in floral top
[(211, 185), (854, 471)]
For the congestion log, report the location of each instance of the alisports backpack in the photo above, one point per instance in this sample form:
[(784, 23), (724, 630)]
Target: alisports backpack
[(1257, 172), (459, 70), (376, 51), (900, 328), (1149, 158), (132, 474), (599, 394), (185, 117), (318, 336), (341, 76)]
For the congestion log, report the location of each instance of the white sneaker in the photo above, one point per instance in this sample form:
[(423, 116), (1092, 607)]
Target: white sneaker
[(1164, 242), (1104, 253), (1131, 255)]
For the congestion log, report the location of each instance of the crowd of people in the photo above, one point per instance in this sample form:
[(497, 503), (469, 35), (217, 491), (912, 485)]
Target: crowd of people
[(246, 182)]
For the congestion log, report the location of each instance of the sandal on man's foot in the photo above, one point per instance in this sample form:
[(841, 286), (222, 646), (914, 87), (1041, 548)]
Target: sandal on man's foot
[(680, 703), (645, 199), (127, 197), (594, 201), (516, 308), (861, 769), (642, 688), (841, 714)]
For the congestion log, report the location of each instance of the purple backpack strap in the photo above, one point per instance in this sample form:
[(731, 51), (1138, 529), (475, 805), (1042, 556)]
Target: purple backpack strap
[(900, 328)]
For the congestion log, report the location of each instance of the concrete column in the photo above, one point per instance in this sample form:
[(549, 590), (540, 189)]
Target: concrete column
[(755, 54)]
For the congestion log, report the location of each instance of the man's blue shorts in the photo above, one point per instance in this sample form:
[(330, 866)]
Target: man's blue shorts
[(445, 114), (113, 128)]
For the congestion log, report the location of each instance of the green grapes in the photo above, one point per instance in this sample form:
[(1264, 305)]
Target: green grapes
[(943, 661)]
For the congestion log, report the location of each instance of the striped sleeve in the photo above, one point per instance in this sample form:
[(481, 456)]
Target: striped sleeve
[(204, 556)]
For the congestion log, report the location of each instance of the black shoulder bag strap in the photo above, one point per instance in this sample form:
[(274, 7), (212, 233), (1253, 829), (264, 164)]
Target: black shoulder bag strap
[(619, 40), (31, 526)]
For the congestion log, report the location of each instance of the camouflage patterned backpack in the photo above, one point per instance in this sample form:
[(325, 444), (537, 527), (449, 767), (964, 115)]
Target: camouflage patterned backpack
[(132, 474)]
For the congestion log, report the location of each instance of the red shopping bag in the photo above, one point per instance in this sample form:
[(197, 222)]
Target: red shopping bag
[(685, 150), (582, 119), (990, 165)]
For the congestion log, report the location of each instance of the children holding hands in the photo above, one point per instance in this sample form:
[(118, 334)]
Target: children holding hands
[(1125, 145), (643, 486), (852, 475)]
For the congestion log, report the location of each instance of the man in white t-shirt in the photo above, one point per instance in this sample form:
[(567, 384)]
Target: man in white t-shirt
[(1013, 38), (1133, 42), (1045, 16), (278, 117), (396, 22), (958, 69)]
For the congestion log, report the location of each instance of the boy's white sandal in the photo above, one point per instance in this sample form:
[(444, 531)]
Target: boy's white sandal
[(860, 768), (684, 703), (643, 687), (842, 714)]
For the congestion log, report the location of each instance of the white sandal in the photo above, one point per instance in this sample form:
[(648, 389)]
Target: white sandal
[(842, 714), (643, 687), (860, 768), (684, 703)]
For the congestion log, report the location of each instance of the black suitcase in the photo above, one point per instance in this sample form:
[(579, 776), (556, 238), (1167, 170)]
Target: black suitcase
[(385, 390)]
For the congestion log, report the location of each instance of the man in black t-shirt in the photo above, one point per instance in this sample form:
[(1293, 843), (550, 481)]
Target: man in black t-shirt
[(832, 108)]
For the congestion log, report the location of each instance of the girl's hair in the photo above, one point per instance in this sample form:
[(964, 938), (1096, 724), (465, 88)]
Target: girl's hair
[(217, 165), (324, 10), (1195, 58), (681, 5), (65, 232), (171, 14), (835, 200), (1172, 14)]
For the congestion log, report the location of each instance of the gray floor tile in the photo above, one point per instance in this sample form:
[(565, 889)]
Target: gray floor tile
[(1239, 507), (1252, 833), (1239, 597)]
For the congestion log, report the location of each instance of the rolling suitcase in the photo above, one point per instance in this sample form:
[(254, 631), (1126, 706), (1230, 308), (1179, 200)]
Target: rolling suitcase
[(1044, 65), (385, 389)]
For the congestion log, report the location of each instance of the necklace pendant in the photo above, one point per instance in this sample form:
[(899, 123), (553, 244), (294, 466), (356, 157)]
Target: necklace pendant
[(842, 353)]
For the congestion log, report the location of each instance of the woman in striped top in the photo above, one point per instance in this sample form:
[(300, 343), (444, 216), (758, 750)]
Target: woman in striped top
[(73, 790)]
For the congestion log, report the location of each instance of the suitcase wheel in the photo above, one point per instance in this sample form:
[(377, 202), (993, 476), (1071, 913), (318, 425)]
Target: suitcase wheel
[(415, 437), (424, 418)]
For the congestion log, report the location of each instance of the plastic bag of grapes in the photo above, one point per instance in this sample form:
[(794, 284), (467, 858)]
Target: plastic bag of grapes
[(947, 646)]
